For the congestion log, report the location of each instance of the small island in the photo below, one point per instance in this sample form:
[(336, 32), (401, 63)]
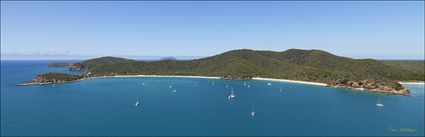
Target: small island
[(315, 66), (52, 78)]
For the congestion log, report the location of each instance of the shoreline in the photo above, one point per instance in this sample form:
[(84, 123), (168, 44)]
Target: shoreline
[(411, 83), (290, 81), (206, 77), (161, 76), (262, 79), (254, 78), (178, 76)]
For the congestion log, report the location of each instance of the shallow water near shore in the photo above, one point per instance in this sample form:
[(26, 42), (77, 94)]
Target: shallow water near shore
[(105, 106)]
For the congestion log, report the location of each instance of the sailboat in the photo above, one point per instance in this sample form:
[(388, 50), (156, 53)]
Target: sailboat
[(137, 102), (378, 103), (252, 112), (232, 95)]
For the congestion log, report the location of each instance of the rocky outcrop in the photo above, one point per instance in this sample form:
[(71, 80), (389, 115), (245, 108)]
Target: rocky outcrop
[(370, 85)]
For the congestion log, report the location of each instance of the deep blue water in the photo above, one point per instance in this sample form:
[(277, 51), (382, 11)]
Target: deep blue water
[(106, 107)]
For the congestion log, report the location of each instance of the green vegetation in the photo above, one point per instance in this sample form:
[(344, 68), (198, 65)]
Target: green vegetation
[(105, 61), (415, 66), (294, 64), (91, 63), (59, 77)]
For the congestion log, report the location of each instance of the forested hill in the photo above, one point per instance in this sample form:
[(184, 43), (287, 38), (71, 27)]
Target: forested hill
[(308, 65), (105, 61), (91, 63), (294, 64)]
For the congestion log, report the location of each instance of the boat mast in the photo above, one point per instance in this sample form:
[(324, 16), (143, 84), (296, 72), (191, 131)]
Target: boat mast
[(232, 91)]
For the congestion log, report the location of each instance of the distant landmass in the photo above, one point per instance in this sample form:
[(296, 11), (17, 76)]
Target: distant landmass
[(293, 64), (168, 58)]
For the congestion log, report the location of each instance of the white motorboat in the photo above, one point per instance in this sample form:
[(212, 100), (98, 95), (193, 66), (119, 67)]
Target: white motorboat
[(232, 95)]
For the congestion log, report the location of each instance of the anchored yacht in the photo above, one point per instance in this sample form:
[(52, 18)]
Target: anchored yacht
[(378, 103), (232, 95)]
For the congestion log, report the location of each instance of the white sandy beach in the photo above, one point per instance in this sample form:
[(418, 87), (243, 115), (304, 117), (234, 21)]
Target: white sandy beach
[(170, 76), (290, 81), (412, 83)]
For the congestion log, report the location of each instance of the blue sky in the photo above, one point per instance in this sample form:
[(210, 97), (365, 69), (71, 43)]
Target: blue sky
[(78, 30)]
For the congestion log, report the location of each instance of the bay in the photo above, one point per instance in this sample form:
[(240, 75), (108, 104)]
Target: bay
[(105, 106)]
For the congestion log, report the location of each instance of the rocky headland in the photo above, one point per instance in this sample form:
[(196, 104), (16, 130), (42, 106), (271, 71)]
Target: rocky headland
[(370, 85)]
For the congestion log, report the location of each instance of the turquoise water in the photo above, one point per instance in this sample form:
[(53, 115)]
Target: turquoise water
[(106, 107)]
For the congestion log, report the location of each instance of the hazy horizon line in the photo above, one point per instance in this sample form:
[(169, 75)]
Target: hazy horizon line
[(138, 57), (84, 57), (76, 56)]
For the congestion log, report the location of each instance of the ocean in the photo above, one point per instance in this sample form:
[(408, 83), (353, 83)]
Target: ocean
[(196, 106)]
